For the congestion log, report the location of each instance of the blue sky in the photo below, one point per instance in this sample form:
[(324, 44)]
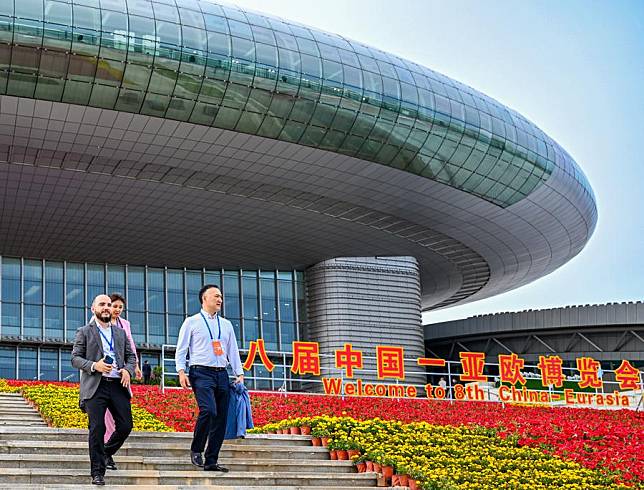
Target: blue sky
[(574, 68)]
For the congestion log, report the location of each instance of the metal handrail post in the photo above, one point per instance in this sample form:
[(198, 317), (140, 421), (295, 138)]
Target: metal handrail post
[(162, 384), (449, 379)]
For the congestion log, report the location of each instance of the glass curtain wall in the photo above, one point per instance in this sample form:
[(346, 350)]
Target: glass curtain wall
[(222, 66), (44, 301)]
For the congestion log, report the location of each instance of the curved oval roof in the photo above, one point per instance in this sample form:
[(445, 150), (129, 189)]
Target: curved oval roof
[(475, 191)]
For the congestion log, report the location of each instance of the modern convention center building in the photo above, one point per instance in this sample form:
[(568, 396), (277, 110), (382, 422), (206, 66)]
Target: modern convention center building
[(333, 190)]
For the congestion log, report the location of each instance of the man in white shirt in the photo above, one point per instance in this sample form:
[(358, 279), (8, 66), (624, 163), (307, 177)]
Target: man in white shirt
[(211, 341)]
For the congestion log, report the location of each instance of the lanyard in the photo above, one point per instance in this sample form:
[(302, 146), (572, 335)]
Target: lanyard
[(118, 322), (109, 342), (208, 326)]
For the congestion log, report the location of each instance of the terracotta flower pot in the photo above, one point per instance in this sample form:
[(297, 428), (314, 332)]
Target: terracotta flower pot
[(369, 466), (361, 467), (295, 431), (387, 471), (353, 452), (412, 484), (305, 430), (376, 467), (343, 455), (333, 454), (325, 441), (280, 431), (395, 481), (316, 441), (404, 480)]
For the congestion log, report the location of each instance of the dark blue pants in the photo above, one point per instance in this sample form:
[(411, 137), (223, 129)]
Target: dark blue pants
[(211, 390)]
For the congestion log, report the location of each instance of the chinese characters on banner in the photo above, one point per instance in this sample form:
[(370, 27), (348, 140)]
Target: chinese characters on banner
[(390, 365)]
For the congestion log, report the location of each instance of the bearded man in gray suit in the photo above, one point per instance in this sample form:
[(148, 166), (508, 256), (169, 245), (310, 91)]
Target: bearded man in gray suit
[(107, 362)]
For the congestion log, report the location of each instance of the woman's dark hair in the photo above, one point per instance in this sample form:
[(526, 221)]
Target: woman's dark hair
[(117, 297), (205, 288)]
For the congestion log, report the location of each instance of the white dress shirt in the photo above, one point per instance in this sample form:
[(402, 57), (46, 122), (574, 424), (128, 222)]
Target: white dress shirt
[(195, 337)]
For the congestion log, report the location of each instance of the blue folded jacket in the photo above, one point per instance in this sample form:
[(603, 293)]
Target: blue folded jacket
[(240, 417)]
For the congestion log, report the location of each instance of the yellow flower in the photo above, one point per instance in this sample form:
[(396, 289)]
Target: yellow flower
[(446, 457), (59, 406)]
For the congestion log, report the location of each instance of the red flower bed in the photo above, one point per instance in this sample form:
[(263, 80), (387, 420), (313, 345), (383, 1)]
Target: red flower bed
[(22, 382), (176, 408), (612, 441)]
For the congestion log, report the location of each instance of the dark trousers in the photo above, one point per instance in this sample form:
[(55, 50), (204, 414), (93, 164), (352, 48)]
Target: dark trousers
[(110, 394), (211, 390)]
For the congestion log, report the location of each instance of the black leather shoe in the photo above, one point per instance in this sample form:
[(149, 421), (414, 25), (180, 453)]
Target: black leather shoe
[(98, 480), (109, 463), (215, 467), (196, 459)]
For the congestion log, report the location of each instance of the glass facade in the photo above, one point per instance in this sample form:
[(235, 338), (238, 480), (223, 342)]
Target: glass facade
[(43, 302), (220, 66)]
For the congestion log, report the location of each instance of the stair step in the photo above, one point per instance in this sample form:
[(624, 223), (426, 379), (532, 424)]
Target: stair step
[(23, 417), (166, 450), (18, 413), (196, 476), (17, 420), (30, 486), (78, 435), (79, 462)]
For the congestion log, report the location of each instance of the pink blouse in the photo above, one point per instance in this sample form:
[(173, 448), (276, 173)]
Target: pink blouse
[(125, 325)]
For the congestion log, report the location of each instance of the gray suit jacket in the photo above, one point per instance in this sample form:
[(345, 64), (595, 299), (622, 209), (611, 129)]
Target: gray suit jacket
[(89, 349)]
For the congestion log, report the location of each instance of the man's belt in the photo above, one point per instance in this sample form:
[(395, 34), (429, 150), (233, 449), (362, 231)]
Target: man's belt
[(208, 368)]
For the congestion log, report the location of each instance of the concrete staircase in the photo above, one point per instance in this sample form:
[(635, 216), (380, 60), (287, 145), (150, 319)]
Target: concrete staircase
[(16, 412), (39, 457)]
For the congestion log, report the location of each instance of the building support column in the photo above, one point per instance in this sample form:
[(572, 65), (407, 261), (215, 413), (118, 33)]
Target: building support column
[(366, 302)]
